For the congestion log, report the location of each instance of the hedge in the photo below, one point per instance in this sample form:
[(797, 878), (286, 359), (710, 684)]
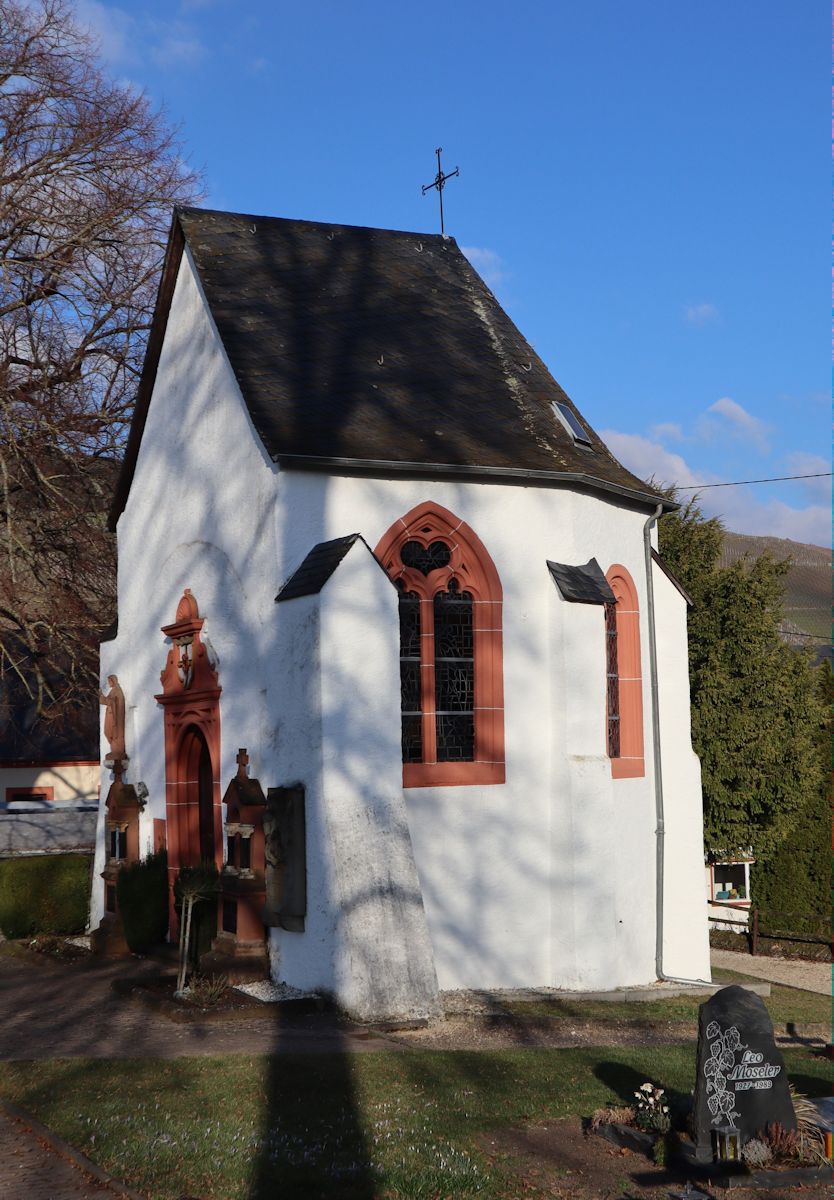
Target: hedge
[(142, 894), (45, 893)]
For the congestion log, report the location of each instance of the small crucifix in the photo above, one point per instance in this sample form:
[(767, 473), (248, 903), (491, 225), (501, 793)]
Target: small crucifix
[(242, 760), (440, 183)]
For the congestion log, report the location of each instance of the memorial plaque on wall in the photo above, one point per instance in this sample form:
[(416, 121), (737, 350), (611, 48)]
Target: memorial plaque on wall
[(741, 1082), (285, 848)]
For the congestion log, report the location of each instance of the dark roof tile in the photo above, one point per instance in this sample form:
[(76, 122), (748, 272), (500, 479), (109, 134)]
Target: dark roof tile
[(316, 569), (584, 585)]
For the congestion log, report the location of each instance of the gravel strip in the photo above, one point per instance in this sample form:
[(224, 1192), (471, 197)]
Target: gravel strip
[(798, 973), (271, 993)]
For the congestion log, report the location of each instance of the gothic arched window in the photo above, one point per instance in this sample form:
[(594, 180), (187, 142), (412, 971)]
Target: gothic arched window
[(451, 668), (624, 691)]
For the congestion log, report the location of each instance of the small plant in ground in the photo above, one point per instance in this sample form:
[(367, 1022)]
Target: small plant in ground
[(660, 1152), (651, 1113), (782, 1143), (756, 1153), (612, 1115), (207, 991), (811, 1138), (193, 885)]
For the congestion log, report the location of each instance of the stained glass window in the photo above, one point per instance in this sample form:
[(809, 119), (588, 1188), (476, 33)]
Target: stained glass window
[(454, 675), (425, 558), (452, 724), (410, 687), (612, 680)]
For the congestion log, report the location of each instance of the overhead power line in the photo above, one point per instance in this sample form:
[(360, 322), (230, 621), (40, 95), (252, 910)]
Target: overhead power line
[(691, 487)]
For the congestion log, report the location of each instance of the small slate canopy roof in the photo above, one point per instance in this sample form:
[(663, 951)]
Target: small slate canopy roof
[(318, 566), (583, 585), (373, 349)]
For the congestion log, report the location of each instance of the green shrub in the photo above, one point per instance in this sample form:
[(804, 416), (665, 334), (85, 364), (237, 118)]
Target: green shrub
[(44, 893), (142, 895)]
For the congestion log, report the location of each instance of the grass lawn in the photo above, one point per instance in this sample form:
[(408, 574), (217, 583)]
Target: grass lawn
[(360, 1126)]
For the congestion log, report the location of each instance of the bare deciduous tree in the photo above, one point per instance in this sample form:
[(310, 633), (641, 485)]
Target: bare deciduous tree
[(89, 174)]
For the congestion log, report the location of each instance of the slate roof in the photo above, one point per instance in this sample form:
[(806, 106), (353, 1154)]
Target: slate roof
[(374, 349), (583, 585)]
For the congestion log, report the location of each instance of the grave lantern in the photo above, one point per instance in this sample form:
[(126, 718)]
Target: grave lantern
[(726, 1145)]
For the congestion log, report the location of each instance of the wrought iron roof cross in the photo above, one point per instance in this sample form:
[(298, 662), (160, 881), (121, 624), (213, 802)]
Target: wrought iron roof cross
[(440, 183)]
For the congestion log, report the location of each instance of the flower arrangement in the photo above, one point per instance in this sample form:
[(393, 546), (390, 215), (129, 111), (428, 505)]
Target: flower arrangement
[(651, 1114)]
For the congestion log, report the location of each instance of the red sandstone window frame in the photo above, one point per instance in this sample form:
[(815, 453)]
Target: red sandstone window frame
[(630, 763), (471, 565)]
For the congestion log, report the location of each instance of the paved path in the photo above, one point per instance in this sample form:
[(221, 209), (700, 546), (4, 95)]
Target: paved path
[(810, 976), (31, 1168), (57, 1010)]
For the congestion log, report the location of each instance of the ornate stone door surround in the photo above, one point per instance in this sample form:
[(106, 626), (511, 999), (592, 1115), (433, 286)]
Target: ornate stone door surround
[(190, 701)]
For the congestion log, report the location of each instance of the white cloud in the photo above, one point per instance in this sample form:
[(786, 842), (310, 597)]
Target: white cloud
[(649, 459), (113, 30), (125, 40), (668, 431), (743, 513), (700, 314), (175, 51), (818, 490), (488, 263), (739, 508), (742, 423)]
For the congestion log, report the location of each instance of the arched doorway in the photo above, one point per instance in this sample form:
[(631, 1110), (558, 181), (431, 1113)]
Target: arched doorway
[(190, 701), (197, 794)]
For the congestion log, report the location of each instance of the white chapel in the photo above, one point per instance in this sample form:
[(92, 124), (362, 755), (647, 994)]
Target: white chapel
[(395, 647)]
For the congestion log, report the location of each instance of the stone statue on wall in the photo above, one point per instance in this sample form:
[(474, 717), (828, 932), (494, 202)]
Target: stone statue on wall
[(114, 721)]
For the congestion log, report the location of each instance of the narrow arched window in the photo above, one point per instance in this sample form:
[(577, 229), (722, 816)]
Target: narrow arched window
[(451, 671), (624, 680)]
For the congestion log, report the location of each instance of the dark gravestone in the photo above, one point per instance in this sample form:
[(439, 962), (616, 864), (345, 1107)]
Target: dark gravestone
[(285, 849), (741, 1082)]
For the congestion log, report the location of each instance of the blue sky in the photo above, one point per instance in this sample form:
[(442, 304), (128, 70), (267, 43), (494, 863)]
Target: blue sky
[(644, 185)]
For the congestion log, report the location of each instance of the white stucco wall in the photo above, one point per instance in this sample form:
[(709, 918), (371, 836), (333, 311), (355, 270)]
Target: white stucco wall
[(553, 871), (366, 939), (685, 929), (199, 515), (547, 879)]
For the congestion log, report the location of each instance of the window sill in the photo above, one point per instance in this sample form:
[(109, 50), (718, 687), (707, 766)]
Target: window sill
[(628, 768), (452, 774)]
